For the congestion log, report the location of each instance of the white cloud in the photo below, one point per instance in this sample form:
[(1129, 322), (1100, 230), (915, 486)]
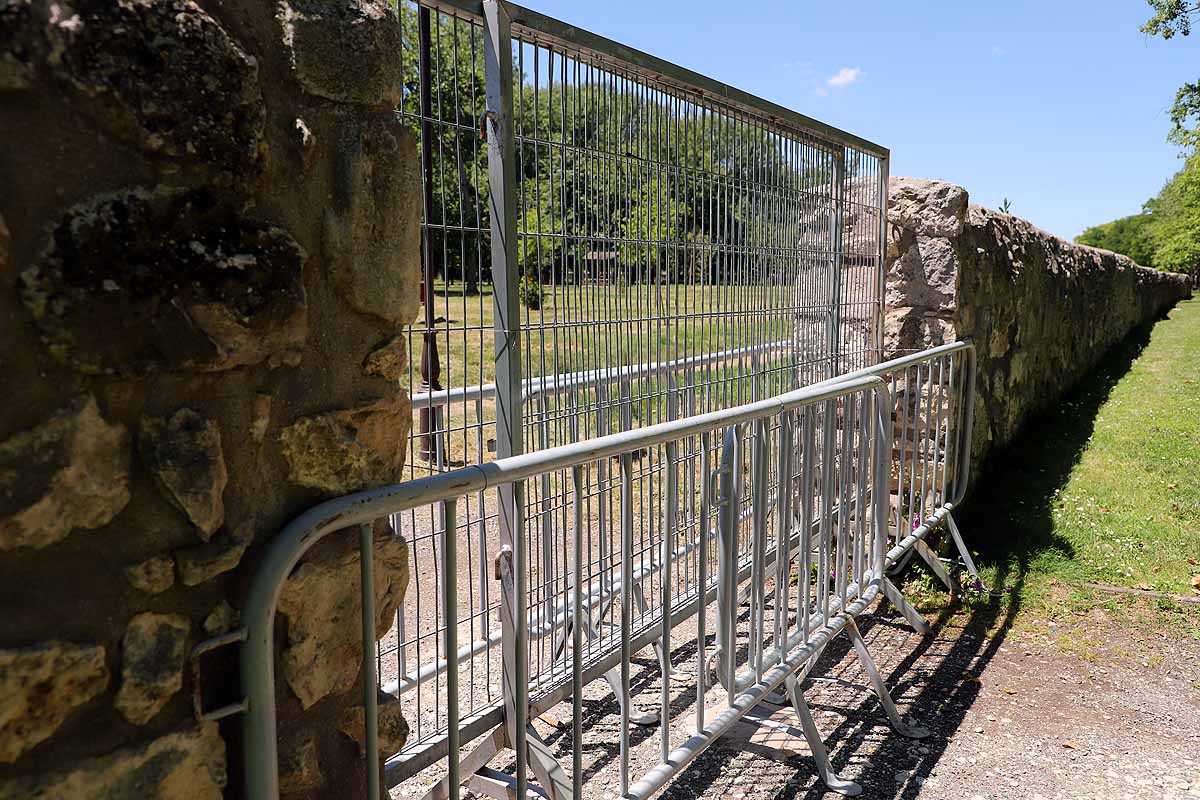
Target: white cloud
[(997, 50), (844, 77)]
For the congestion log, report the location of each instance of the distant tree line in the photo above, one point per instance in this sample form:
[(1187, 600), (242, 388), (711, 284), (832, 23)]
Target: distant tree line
[(1166, 235), (614, 182)]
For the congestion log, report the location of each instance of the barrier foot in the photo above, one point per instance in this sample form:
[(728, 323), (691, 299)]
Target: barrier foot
[(613, 676), (636, 716), (490, 782), (965, 555), (881, 690), (906, 609), (835, 782)]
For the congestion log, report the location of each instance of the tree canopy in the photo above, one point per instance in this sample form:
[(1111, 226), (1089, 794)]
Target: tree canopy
[(1173, 17), (1166, 235)]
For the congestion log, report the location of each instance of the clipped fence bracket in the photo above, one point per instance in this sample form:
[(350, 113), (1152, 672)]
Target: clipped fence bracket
[(204, 648)]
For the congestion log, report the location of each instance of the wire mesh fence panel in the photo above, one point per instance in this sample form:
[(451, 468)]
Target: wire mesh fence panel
[(676, 250)]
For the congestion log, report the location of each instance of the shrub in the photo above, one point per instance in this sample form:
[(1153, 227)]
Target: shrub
[(530, 292)]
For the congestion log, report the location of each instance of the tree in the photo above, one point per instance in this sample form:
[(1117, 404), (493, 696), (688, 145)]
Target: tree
[(1173, 17), (1175, 232), (1128, 235)]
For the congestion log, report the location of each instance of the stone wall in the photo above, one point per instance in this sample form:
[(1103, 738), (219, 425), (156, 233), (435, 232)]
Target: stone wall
[(1042, 311), (208, 224)]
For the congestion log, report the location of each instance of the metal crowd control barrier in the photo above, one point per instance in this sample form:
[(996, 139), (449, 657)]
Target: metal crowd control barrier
[(934, 395), (817, 552)]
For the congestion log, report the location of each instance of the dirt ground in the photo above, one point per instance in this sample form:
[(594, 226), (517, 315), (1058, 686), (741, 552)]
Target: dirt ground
[(1085, 709)]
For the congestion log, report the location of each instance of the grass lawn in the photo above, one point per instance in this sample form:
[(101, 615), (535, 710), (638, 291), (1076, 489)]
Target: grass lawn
[(591, 325), (1106, 489)]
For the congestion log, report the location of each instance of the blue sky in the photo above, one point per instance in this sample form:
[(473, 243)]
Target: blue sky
[(1058, 105)]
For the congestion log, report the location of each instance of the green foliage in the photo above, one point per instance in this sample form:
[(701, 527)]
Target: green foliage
[(531, 293), (1167, 234), (1006, 206), (1175, 232), (1170, 17), (610, 178), (1176, 17), (1127, 235)]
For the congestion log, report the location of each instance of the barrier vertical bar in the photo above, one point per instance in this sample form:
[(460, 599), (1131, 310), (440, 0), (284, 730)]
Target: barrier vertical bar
[(668, 548), (450, 601), (836, 233), (626, 609), (702, 569), (502, 199), (366, 553), (577, 640)]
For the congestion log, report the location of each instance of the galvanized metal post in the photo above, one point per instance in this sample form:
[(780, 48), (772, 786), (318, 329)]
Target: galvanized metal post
[(502, 191), (881, 272), (431, 367)]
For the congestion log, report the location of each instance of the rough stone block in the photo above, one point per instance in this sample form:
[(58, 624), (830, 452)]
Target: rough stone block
[(206, 561), (389, 360), (186, 765), (153, 653), (72, 471), (345, 451), (153, 576), (372, 223), (162, 75), (324, 615), (141, 282), (39, 688), (393, 728), (184, 453), (345, 51)]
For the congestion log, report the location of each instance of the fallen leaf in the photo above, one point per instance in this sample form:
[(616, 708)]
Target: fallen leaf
[(1196, 581), (1172, 485), (974, 679), (1009, 690), (1067, 743), (1145, 587)]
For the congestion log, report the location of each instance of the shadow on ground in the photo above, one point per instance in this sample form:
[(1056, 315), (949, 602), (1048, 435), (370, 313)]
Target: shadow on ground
[(1008, 517)]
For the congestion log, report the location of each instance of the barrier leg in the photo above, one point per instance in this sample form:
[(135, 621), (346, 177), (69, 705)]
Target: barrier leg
[(550, 774), (831, 779), (613, 676), (471, 763), (935, 564), (964, 553), (900, 602), (881, 690)]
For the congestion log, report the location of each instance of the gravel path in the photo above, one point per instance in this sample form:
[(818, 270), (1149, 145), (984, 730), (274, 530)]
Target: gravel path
[(1091, 710)]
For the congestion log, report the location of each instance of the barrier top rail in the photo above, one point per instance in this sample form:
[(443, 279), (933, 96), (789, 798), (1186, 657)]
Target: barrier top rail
[(606, 50)]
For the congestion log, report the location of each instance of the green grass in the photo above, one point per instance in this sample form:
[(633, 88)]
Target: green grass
[(1106, 489), (585, 326)]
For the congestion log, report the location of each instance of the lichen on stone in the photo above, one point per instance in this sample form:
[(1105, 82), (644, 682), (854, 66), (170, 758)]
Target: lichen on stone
[(344, 451), (165, 76), (147, 281), (153, 651)]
